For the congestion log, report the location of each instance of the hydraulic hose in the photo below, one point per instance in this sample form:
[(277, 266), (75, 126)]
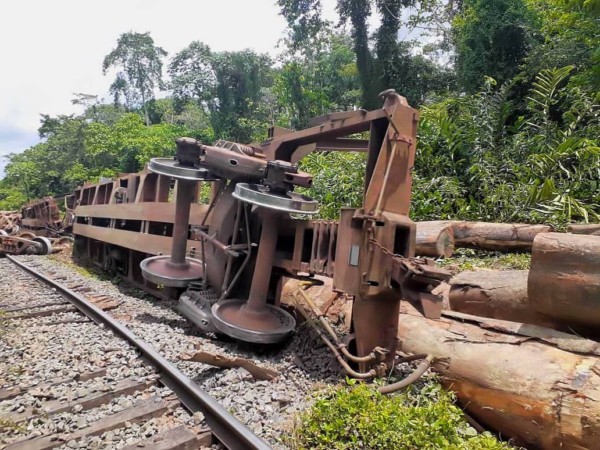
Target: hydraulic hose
[(414, 376), (354, 374), (340, 345)]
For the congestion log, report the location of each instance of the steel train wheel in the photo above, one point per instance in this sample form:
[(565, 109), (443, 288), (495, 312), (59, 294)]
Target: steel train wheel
[(46, 245)]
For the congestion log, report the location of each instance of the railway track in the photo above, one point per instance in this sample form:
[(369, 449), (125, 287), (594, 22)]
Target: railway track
[(84, 380)]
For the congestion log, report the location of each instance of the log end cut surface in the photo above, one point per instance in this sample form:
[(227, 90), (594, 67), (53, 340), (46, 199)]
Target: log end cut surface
[(564, 279)]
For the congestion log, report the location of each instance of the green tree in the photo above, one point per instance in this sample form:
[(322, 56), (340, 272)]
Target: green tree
[(240, 81), (25, 174), (192, 74), (11, 197), (570, 36), (316, 79), (382, 60), (230, 86), (492, 37), (128, 144), (139, 64)]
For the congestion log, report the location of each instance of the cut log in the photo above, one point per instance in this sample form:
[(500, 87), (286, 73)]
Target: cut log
[(435, 238), (498, 294), (593, 229), (564, 279), (496, 236), (491, 236), (535, 385)]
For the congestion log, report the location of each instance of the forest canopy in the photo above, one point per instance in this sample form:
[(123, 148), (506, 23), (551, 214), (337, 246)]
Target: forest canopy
[(508, 92)]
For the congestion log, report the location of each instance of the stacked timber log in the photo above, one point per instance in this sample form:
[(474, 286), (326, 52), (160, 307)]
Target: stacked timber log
[(537, 386), (497, 294), (584, 229), (560, 291), (531, 383), (497, 236), (435, 238), (439, 238), (564, 279)]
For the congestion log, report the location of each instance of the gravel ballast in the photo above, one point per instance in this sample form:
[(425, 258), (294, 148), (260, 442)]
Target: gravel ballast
[(268, 408)]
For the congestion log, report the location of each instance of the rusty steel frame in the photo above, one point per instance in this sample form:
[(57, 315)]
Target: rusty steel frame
[(369, 252), (42, 217), (22, 232)]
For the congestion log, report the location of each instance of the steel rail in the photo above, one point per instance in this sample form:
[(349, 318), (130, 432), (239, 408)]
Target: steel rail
[(229, 430)]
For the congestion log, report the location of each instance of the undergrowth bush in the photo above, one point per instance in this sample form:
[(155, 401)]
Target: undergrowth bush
[(359, 417), (469, 259)]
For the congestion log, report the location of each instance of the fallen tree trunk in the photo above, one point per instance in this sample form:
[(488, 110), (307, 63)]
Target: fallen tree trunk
[(435, 238), (498, 294), (497, 236), (564, 279), (593, 229), (535, 385)]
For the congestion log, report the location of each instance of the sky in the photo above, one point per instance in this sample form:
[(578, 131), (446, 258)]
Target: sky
[(50, 50)]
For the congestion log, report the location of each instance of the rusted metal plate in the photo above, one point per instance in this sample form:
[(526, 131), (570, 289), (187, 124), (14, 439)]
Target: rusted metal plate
[(146, 243), (149, 211), (396, 161)]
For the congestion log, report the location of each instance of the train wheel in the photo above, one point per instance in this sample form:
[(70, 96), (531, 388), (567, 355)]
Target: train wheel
[(46, 248)]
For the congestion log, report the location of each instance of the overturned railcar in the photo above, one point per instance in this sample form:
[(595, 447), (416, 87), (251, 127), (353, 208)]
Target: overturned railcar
[(220, 226)]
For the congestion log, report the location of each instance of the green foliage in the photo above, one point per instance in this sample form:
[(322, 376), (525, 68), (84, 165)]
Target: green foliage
[(139, 61), (11, 198), (476, 160), (338, 180), (317, 79), (360, 417), (570, 37), (192, 75), (230, 88), (382, 61), (76, 151), (491, 37), (129, 144), (468, 259), (241, 79)]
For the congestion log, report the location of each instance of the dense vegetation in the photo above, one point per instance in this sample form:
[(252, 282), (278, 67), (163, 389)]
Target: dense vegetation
[(360, 417), (508, 92)]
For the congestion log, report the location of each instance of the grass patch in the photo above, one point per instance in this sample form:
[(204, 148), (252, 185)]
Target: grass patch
[(84, 270), (468, 259), (359, 417), (9, 425)]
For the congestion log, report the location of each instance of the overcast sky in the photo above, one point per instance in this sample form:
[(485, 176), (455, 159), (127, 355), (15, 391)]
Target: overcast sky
[(50, 49)]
